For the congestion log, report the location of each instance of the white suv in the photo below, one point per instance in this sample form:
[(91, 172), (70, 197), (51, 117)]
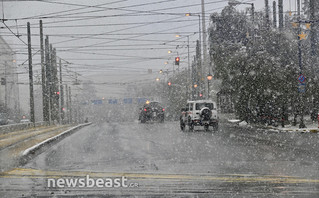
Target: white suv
[(199, 113)]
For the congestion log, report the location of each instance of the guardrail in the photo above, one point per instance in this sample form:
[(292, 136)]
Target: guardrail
[(14, 127)]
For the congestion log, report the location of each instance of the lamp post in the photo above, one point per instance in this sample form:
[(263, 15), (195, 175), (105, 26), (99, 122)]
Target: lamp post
[(234, 3), (209, 78), (200, 37)]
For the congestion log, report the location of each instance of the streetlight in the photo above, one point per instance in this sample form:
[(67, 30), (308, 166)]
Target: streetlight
[(209, 78), (234, 3), (200, 62), (169, 51), (157, 79), (199, 26)]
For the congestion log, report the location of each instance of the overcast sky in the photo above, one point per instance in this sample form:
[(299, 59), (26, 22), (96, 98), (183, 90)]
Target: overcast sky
[(112, 41)]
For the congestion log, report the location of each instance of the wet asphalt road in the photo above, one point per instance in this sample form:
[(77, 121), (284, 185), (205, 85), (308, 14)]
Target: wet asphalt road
[(164, 161)]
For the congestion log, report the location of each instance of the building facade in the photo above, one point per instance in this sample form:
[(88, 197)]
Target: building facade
[(9, 89)]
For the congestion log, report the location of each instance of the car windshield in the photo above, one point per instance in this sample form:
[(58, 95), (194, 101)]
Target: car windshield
[(153, 105), (200, 106), (159, 98)]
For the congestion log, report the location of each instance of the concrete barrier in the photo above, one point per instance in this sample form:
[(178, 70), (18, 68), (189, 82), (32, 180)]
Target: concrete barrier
[(32, 150)]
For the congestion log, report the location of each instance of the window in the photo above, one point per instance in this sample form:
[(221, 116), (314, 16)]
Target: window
[(199, 106), (191, 106)]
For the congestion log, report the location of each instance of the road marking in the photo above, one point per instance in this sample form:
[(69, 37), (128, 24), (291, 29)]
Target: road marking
[(35, 173)]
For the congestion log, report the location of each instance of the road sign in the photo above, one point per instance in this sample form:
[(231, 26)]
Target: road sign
[(301, 78), (128, 100), (302, 87), (96, 102), (112, 101), (141, 100)]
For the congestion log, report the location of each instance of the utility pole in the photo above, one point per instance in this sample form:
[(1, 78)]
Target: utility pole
[(55, 87), (67, 104), (281, 14), (30, 75), (313, 30), (61, 95), (274, 14), (44, 105), (267, 14), (313, 43), (194, 73), (6, 87), (198, 73), (189, 69), (301, 125), (48, 80), (253, 14), (205, 65), (51, 84), (70, 101)]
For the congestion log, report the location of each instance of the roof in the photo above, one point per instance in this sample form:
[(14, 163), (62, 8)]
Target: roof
[(201, 101)]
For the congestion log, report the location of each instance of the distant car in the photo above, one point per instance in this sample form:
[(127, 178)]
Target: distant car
[(151, 111), (4, 119), (199, 113), (25, 121)]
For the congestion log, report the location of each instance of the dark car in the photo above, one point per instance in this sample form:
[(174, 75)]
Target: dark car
[(151, 111)]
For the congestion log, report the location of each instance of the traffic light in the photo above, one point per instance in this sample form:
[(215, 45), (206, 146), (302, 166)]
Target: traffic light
[(177, 61)]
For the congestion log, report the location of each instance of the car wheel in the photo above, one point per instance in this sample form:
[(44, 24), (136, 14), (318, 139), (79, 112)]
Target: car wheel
[(182, 124), (162, 119), (206, 127), (143, 120), (215, 127), (191, 127)]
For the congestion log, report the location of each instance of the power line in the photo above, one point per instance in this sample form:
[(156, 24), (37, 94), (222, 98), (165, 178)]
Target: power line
[(70, 10), (102, 25)]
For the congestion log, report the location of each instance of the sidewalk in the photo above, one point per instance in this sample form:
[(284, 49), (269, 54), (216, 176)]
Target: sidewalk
[(13, 144), (310, 126)]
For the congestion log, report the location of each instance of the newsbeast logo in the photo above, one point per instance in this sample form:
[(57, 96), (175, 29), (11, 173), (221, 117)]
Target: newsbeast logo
[(88, 182)]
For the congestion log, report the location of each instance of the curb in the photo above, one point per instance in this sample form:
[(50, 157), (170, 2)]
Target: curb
[(32, 150), (310, 130)]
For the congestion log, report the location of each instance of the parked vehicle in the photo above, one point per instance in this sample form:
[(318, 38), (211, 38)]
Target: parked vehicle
[(25, 121), (199, 113), (151, 111)]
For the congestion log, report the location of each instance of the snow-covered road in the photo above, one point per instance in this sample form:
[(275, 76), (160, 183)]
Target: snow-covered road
[(165, 161)]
